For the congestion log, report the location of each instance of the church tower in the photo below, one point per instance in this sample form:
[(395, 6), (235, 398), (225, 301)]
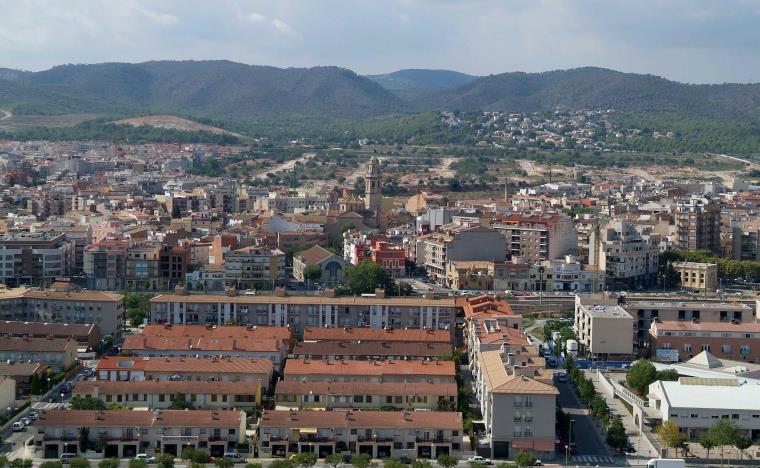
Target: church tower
[(372, 191)]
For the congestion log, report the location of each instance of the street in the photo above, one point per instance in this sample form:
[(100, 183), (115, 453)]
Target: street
[(592, 449)]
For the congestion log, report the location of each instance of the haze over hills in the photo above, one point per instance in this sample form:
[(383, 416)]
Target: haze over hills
[(234, 91), (421, 78)]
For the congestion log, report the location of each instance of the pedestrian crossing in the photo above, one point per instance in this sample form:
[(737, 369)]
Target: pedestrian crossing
[(593, 459), (41, 405)]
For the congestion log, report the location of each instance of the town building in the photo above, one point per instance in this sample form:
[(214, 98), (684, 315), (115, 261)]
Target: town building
[(409, 371), (395, 350), (252, 342), (22, 373), (57, 353), (682, 340), (628, 258), (85, 334), (537, 237), (695, 403), (35, 259), (699, 276), (127, 433), (697, 224), (379, 434), (300, 312), (602, 329), (360, 335), (7, 394), (365, 395), (124, 368), (332, 266), (255, 268), (159, 394)]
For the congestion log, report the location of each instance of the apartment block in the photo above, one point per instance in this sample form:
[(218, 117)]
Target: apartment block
[(251, 342), (159, 394), (379, 434), (409, 371), (255, 268), (537, 237), (365, 395), (85, 334), (725, 340), (128, 433), (35, 259), (124, 368), (603, 329), (371, 350), (300, 312), (629, 258), (697, 225), (57, 353)]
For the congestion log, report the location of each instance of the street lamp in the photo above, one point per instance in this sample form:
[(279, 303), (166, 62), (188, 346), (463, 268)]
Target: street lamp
[(569, 440), (541, 271)]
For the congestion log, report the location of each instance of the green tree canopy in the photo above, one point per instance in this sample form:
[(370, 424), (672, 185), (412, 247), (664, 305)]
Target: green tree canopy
[(671, 435), (525, 458), (616, 436), (365, 277), (312, 273), (641, 374), (447, 461)]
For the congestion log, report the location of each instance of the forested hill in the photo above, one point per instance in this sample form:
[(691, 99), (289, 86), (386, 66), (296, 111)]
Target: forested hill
[(234, 91)]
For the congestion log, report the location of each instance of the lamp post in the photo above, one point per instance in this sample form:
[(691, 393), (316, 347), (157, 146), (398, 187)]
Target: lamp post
[(569, 441), (541, 271)]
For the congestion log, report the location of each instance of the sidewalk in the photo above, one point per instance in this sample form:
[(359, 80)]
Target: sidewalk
[(643, 451)]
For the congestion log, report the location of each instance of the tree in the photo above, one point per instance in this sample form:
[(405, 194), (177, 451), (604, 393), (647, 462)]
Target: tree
[(305, 459), (87, 403), (3, 461), (668, 374), (724, 433), (525, 458), (708, 443), (447, 461), (179, 403), (671, 435), (109, 463), (50, 464), (137, 464), (366, 277), (84, 438), (79, 463), (35, 387), (281, 464), (742, 443), (420, 463), (641, 374), (165, 460), (391, 463), (223, 463), (361, 460), (616, 436), (312, 273), (194, 455), (334, 460), (599, 406), (252, 465)]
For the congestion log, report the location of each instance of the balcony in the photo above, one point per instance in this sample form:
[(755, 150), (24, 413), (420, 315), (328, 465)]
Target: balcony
[(315, 439), (431, 440)]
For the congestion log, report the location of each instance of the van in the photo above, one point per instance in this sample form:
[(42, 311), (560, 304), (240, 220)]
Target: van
[(234, 457), (67, 457), (18, 426)]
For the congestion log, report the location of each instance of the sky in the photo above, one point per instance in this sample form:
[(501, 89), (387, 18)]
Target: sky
[(695, 41)]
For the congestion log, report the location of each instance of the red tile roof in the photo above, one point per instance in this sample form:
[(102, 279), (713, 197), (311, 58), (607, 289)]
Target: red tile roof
[(362, 419), (372, 348), (186, 364), (417, 335), (365, 388), (142, 419), (294, 367), (86, 387)]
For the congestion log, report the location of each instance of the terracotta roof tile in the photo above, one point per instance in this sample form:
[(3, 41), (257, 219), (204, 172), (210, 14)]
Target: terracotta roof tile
[(416, 335), (362, 419), (295, 367)]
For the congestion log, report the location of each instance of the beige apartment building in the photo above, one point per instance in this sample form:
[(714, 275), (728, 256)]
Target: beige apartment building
[(537, 237), (699, 276), (379, 434), (300, 312), (159, 394), (307, 370), (57, 353), (128, 433), (725, 340), (603, 329)]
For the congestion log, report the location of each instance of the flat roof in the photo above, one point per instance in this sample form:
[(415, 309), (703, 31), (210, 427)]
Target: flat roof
[(605, 311), (305, 300), (712, 395), (695, 305)]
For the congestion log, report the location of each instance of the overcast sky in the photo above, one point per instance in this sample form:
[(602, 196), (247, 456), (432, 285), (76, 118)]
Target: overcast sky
[(692, 41)]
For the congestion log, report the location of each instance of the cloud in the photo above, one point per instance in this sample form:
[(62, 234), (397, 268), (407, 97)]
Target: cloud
[(255, 17), (164, 19), (285, 28)]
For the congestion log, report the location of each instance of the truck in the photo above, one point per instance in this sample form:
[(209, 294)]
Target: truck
[(666, 463)]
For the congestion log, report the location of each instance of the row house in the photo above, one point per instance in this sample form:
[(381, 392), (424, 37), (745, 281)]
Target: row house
[(300, 312), (124, 434), (365, 395), (378, 434), (409, 371), (159, 394), (124, 368), (725, 340), (85, 334), (371, 350), (57, 353)]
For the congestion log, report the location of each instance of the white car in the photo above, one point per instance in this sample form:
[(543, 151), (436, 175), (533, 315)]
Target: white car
[(25, 421), (145, 457), (478, 460)]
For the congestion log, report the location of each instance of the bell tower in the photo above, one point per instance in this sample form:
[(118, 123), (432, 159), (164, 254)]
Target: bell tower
[(372, 192)]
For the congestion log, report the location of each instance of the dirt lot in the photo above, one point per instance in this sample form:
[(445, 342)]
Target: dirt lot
[(175, 123)]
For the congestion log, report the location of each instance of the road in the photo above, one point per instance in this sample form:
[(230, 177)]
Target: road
[(591, 448), (6, 114), (286, 166)]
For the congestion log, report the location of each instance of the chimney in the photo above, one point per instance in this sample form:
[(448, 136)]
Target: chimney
[(380, 293)]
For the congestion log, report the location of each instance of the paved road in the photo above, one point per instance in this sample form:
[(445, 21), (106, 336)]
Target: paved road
[(286, 166), (585, 435)]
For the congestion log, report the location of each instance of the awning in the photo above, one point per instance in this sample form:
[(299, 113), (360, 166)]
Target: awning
[(308, 430), (542, 445)]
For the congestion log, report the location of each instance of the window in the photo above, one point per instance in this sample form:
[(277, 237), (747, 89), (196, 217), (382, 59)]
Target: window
[(705, 347), (735, 416), (726, 348), (694, 416)]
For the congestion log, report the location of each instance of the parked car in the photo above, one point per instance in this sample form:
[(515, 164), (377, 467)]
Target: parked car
[(234, 456), (32, 415), (405, 459), (18, 426), (478, 460), (562, 377), (25, 421), (67, 457), (145, 457)]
